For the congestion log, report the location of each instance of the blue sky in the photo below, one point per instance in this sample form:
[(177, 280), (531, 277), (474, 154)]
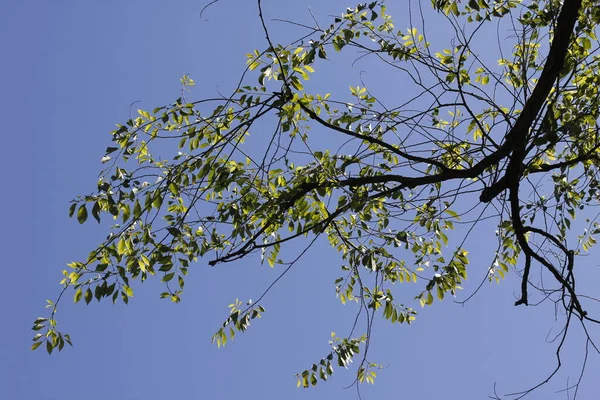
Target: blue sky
[(70, 71)]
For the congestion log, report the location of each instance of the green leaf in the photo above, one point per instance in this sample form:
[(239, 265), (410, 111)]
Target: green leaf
[(78, 295), (98, 293), (137, 210), (82, 214), (36, 345), (72, 209), (126, 213), (453, 214), (88, 296), (121, 246), (128, 291), (322, 54), (157, 200), (473, 4), (174, 189), (96, 211)]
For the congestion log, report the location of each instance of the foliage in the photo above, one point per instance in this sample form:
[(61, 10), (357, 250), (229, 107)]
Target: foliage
[(513, 142)]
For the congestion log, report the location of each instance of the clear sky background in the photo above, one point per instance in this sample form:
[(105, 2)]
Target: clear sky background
[(70, 71)]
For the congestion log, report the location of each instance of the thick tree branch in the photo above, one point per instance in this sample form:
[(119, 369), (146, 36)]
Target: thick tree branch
[(516, 138)]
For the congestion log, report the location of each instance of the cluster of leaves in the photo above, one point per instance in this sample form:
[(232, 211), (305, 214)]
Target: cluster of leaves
[(53, 338), (343, 350), (389, 201), (238, 321)]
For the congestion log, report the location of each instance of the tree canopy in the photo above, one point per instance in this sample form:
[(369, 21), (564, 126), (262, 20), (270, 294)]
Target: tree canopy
[(502, 135)]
